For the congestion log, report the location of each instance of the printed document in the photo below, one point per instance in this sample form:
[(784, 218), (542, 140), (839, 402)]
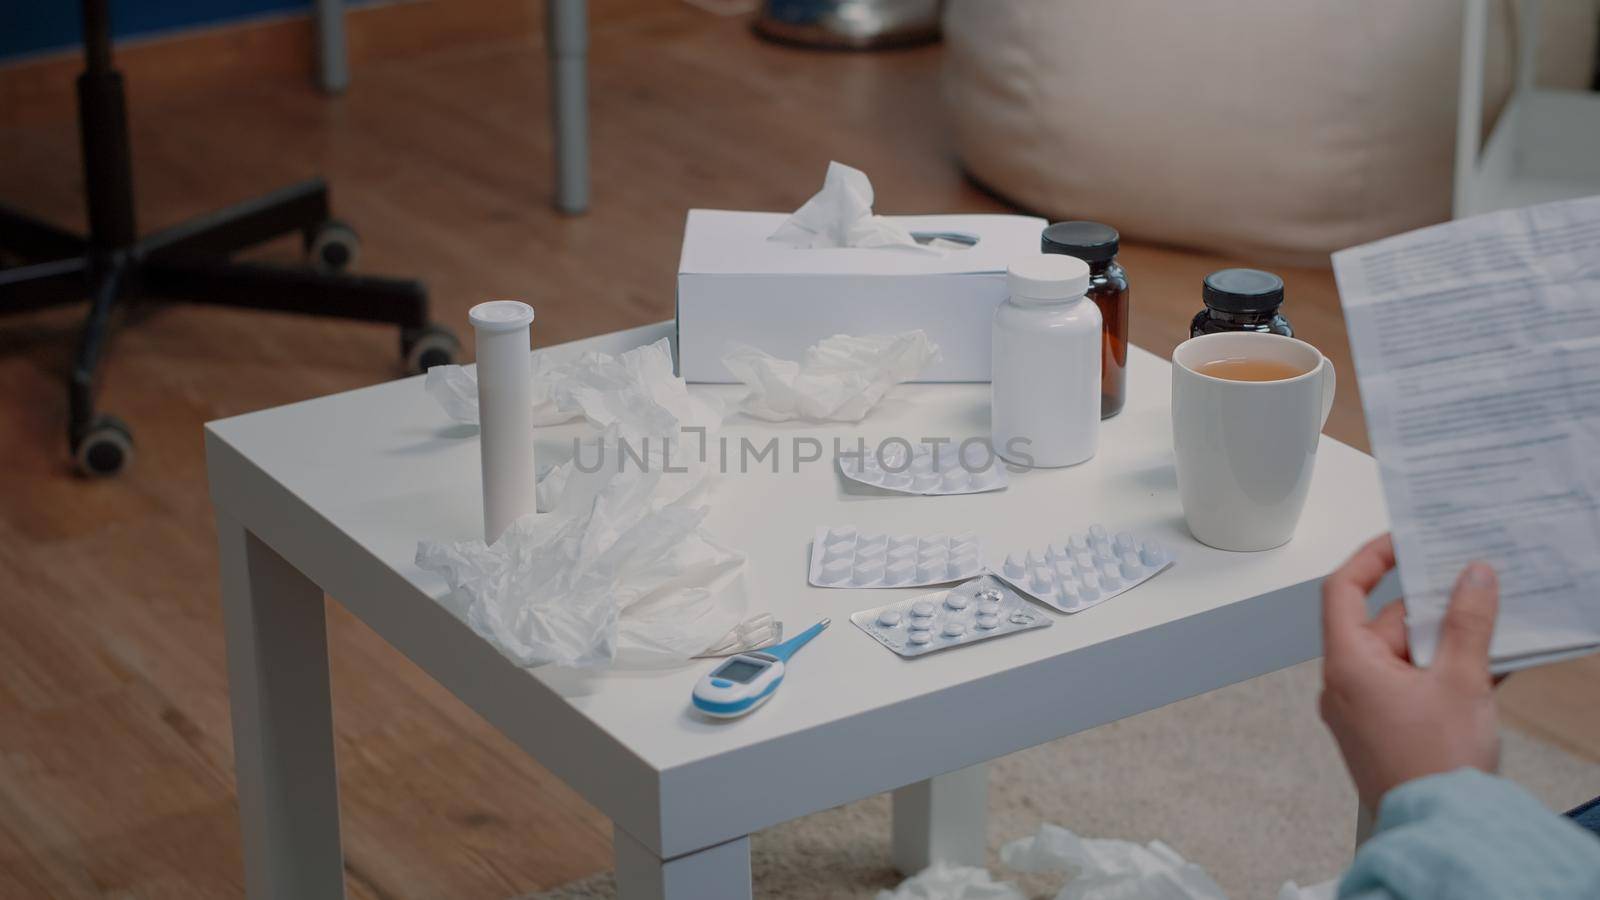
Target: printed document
[(1477, 348)]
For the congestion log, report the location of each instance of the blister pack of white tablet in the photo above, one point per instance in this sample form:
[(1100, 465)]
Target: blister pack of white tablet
[(1085, 569), (844, 556), (931, 469), (973, 611)]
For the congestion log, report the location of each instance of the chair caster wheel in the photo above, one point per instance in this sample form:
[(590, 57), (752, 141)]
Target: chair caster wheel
[(332, 246), (428, 346), (104, 448)]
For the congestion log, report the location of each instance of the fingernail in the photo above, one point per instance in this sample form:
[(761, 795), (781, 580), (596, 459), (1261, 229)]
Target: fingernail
[(1479, 574)]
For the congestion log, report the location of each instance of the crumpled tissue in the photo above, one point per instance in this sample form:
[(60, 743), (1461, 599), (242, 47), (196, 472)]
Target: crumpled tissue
[(1110, 869), (840, 379), (636, 389), (840, 215), (1098, 869), (942, 881), (456, 389), (620, 569), (646, 413), (613, 574)]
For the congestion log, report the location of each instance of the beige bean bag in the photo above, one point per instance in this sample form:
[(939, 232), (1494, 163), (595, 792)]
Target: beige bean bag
[(1272, 130)]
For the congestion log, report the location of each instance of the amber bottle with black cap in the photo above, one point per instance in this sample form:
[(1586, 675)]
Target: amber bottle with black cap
[(1241, 300), (1096, 244)]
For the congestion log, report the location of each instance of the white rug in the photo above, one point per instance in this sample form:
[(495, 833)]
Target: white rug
[(1244, 781)]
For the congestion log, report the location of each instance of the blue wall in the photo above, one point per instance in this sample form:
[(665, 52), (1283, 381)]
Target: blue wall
[(34, 26)]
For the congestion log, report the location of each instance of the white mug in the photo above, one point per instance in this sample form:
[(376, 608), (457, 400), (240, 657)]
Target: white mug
[(1245, 448)]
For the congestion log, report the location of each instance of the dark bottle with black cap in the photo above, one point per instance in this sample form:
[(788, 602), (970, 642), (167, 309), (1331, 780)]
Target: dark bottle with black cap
[(1096, 244), (1241, 300)]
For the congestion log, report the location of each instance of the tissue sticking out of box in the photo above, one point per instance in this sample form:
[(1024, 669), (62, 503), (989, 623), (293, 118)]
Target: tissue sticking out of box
[(840, 379), (840, 215)]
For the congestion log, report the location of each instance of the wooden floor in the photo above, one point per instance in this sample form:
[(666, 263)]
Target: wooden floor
[(115, 759)]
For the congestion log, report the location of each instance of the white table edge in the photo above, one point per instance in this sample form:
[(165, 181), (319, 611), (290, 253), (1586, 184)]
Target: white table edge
[(1264, 633)]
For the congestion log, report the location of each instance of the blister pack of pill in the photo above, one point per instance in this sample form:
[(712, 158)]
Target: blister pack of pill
[(973, 611), (1084, 569), (844, 556), (931, 469)]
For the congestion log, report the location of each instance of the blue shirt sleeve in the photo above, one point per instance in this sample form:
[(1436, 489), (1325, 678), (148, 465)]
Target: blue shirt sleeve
[(1465, 835)]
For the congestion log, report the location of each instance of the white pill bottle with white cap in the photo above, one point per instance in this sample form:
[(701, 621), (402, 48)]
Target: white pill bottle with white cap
[(505, 412), (1045, 376)]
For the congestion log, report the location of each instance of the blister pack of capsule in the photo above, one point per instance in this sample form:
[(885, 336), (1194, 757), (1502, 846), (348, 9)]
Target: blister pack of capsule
[(931, 469), (972, 611), (844, 556), (1085, 569)]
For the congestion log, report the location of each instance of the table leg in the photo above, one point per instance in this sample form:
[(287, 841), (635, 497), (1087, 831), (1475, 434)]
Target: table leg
[(944, 819), (333, 61), (282, 722), (715, 873), (567, 32)]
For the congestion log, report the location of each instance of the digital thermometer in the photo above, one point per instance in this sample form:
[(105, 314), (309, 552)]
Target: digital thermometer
[(745, 681)]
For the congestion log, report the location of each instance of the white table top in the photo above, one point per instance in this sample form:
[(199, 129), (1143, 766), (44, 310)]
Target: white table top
[(344, 486)]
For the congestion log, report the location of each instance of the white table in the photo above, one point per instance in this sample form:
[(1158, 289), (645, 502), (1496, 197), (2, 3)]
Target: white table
[(332, 495)]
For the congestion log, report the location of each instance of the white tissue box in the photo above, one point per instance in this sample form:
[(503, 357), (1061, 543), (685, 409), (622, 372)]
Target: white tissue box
[(736, 286)]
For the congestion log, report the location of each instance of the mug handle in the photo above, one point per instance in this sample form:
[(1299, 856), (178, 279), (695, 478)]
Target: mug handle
[(1329, 382)]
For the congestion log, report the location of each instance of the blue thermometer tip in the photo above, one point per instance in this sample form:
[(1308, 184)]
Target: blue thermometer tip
[(787, 649)]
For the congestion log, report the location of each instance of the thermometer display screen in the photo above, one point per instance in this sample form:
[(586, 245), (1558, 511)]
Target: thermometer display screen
[(740, 670)]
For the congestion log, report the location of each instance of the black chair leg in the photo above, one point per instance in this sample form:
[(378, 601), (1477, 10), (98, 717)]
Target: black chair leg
[(302, 207), (34, 241), (26, 288), (101, 444), (91, 343), (395, 301)]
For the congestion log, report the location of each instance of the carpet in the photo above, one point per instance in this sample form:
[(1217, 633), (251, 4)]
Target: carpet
[(1244, 781)]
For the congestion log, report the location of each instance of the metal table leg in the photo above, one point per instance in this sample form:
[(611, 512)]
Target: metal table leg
[(333, 63), (567, 28)]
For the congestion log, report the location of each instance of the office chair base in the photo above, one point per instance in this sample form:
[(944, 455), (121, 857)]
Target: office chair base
[(190, 263)]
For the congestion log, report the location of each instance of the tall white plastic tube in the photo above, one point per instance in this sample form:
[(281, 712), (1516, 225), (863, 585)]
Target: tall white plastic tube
[(505, 412)]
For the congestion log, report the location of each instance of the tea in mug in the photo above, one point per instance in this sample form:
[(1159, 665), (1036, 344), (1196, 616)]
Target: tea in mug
[(1244, 368)]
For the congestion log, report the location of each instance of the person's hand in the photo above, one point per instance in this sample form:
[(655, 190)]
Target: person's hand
[(1394, 721)]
